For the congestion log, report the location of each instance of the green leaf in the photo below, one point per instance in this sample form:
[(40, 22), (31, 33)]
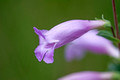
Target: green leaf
[(114, 67), (108, 35), (116, 76)]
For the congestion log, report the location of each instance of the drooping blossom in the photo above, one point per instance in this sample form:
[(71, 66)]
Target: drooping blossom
[(88, 75), (60, 35), (90, 41)]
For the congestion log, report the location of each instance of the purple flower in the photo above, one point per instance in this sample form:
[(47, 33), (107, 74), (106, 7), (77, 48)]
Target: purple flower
[(90, 41), (60, 35), (88, 75)]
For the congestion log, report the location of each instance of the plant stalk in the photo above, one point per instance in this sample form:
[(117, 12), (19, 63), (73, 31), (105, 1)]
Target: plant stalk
[(115, 21), (113, 31)]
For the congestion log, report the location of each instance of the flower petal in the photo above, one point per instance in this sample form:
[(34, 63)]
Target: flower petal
[(90, 41), (39, 53), (39, 32), (62, 34), (88, 75), (74, 52), (49, 54)]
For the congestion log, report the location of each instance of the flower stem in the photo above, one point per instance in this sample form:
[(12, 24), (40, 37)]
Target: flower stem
[(113, 31), (115, 21)]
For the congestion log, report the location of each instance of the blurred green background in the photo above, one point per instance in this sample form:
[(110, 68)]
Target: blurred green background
[(18, 40)]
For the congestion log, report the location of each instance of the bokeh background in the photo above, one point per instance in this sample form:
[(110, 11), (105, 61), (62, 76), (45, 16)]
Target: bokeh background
[(18, 40)]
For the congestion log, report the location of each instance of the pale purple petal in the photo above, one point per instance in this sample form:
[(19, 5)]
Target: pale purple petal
[(74, 52), (60, 35), (70, 30), (113, 51), (88, 75), (39, 32), (49, 54), (90, 41)]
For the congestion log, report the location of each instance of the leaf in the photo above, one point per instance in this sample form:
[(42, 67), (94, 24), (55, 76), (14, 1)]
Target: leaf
[(114, 67), (108, 35)]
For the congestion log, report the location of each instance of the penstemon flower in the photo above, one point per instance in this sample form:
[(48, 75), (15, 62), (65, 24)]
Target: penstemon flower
[(60, 35), (90, 41), (88, 75)]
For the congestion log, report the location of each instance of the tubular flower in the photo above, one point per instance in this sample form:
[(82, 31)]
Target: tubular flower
[(90, 41), (88, 75), (60, 35)]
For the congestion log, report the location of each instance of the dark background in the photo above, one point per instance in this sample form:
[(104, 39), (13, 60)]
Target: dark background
[(18, 40)]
